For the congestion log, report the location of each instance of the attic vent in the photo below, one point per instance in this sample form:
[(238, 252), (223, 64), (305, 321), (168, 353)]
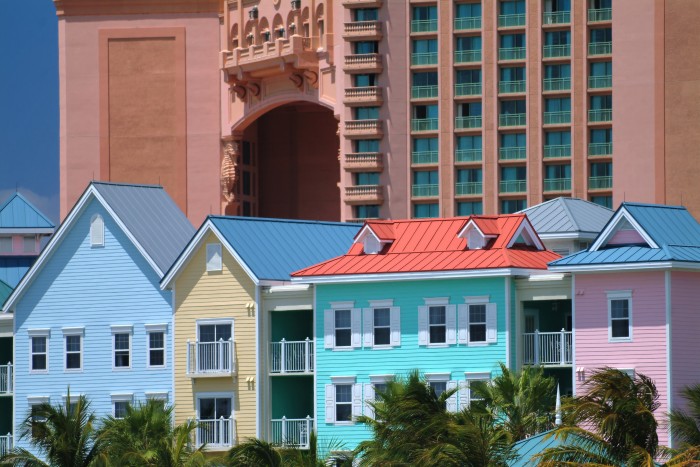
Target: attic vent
[(214, 257), (97, 231), (371, 245), (475, 241)]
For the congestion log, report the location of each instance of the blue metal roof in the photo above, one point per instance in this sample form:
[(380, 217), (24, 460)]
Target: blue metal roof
[(18, 213), (672, 228), (13, 268), (152, 217), (527, 448), (274, 248)]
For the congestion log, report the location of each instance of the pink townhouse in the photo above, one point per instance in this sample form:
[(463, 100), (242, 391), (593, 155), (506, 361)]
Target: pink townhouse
[(635, 300)]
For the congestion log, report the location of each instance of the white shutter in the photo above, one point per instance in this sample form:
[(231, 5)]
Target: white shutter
[(356, 401), (463, 324), (356, 314), (368, 326), (214, 257), (330, 403), (491, 323), (452, 400), (451, 321), (463, 395), (328, 329), (422, 325), (395, 321), (369, 397)]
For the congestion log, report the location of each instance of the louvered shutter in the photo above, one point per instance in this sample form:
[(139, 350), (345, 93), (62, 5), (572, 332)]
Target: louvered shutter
[(368, 326), (214, 257), (452, 400), (395, 326), (97, 231), (356, 401), (356, 325), (463, 395), (491, 323), (451, 321), (369, 398), (328, 329), (463, 324), (422, 325), (330, 403)]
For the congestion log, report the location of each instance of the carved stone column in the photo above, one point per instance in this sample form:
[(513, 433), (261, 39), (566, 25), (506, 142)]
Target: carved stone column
[(230, 204)]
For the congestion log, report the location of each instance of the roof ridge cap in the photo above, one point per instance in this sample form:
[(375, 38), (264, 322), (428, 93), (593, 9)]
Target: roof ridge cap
[(279, 220), (570, 214)]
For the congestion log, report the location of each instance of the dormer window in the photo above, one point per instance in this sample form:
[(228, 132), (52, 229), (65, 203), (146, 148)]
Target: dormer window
[(476, 238), (97, 231), (373, 242)]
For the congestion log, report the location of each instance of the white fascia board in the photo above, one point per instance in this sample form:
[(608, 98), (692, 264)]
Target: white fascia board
[(610, 228), (526, 225), (560, 235), (366, 230), (288, 288), (501, 272), (620, 267), (26, 230)]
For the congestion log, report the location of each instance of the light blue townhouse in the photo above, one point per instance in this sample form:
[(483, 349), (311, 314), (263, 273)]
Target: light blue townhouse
[(435, 295), (89, 314)]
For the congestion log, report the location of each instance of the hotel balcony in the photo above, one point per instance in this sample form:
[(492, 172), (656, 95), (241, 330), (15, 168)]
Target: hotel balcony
[(556, 51), (371, 63), (511, 87), (599, 82), (467, 56), (424, 124), (363, 95), (600, 48), (5, 444), (468, 155), (362, 3), (598, 15), (557, 118), (425, 191), (556, 84), (600, 183), (426, 25), (557, 151), (467, 89), (6, 379), (513, 186), (511, 21), (363, 128), (424, 92), (297, 50), (600, 115), (291, 433), (424, 58), (469, 23), (547, 348), (600, 149), (557, 184), (210, 359), (359, 161), (292, 357), (556, 17), (512, 120), (364, 194), (468, 188), (424, 157), (217, 434), (512, 53), (370, 30), (512, 154), (463, 123)]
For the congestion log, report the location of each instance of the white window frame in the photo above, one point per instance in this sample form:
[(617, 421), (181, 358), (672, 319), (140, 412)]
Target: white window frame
[(122, 329), (32, 333), (450, 384), (369, 326), (213, 250), (329, 327), (36, 400), (620, 295), (70, 332), (464, 323), (437, 344), (127, 397), (470, 323), (156, 328), (370, 391), (466, 398), (97, 238), (356, 401)]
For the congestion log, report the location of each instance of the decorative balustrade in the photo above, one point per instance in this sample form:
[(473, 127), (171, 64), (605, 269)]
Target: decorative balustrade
[(364, 160), (363, 29), (216, 433), (363, 127), (547, 348), (291, 432), (210, 358), (5, 444), (271, 51), (292, 356), (364, 193), (363, 94), (6, 379), (363, 62)]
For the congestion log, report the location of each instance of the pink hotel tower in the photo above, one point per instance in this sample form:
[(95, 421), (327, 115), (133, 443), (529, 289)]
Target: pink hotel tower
[(357, 109)]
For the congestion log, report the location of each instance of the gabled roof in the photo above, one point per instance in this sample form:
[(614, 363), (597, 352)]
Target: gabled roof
[(18, 213), (662, 234), (430, 245), (13, 268), (146, 214), (568, 217), (271, 249)]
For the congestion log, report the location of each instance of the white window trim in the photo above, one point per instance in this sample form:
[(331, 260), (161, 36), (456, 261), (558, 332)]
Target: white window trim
[(470, 377), (620, 295), (342, 305), (214, 395), (121, 397), (343, 381), (437, 377), (32, 333), (157, 395), (215, 248), (151, 328), (122, 329), (213, 321), (485, 342), (36, 400), (158, 327), (437, 301), (629, 370), (388, 303), (73, 331), (356, 338), (476, 300)]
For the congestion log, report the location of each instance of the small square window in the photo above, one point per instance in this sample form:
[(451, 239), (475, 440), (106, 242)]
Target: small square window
[(120, 409)]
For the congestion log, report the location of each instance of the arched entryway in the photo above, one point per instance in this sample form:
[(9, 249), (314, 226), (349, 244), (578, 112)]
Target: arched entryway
[(289, 164)]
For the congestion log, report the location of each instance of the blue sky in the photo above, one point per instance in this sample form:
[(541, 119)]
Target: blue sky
[(29, 102)]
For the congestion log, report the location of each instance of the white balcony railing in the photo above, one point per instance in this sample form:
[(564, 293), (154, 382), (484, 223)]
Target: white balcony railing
[(217, 433), (210, 358), (5, 444), (547, 348), (291, 433), (6, 384), (292, 356)]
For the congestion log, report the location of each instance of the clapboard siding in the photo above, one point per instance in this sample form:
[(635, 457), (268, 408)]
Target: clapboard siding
[(646, 353), (216, 295), (408, 295), (94, 288)]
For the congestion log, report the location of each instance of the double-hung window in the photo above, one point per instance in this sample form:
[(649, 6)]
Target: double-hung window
[(382, 326), (477, 321), (467, 395), (378, 385), (620, 315), (342, 326), (120, 404), (73, 338), (37, 415), (156, 345), (39, 350), (437, 322), (121, 346), (343, 400), (381, 323), (440, 383)]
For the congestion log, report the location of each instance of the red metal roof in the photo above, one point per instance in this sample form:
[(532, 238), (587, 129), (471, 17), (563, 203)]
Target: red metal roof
[(433, 245)]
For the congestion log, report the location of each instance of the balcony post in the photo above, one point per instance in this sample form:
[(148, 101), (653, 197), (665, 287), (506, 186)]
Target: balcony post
[(562, 347), (537, 347), (221, 430), (283, 363), (308, 431), (220, 353), (188, 356), (307, 356), (284, 430)]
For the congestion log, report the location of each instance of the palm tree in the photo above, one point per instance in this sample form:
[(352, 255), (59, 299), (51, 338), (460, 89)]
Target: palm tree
[(618, 413), (64, 434), (521, 402), (254, 452), (259, 453), (685, 426), (146, 437)]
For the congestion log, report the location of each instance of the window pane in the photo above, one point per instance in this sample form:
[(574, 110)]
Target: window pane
[(156, 357), (121, 341), (381, 316), (438, 387), (73, 343), (156, 340), (477, 314), (73, 361), (39, 362), (437, 315), (343, 337), (382, 336), (477, 333), (342, 318), (619, 308), (343, 412), (120, 409), (38, 344), (620, 328)]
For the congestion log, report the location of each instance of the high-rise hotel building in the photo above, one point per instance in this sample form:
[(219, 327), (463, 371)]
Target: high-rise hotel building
[(356, 109)]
